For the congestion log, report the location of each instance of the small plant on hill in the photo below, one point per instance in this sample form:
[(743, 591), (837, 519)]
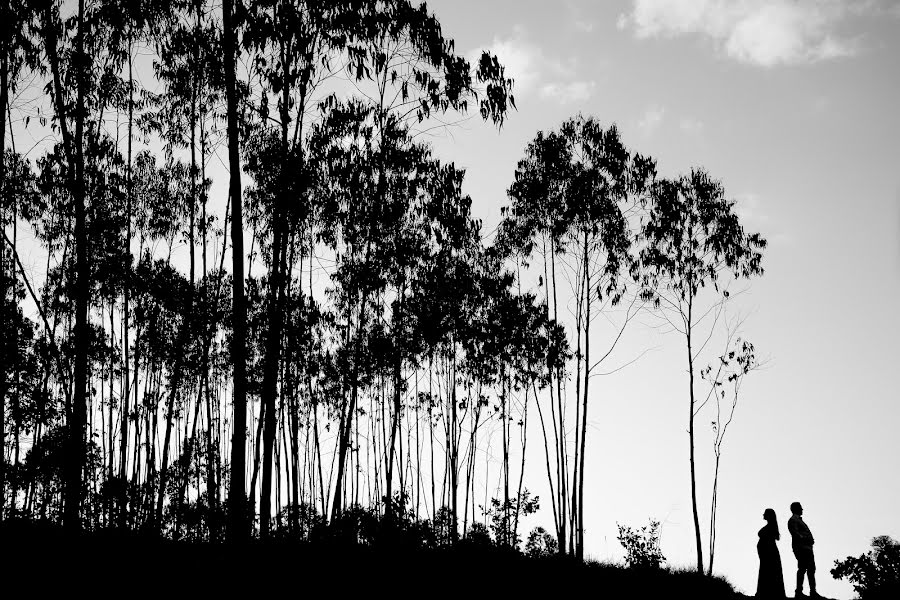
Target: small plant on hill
[(541, 544), (875, 574), (642, 545)]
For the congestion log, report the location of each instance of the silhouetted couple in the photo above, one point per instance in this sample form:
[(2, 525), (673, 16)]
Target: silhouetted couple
[(771, 577)]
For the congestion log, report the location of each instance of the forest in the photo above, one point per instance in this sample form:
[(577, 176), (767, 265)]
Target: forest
[(265, 310)]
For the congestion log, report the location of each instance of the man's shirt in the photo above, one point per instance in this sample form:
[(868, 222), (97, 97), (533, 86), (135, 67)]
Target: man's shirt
[(800, 533)]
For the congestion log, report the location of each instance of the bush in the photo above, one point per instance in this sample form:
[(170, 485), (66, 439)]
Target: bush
[(642, 545), (875, 574), (541, 544)]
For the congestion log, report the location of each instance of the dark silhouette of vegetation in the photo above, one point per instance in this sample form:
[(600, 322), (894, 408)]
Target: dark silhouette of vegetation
[(642, 546), (488, 568), (875, 574), (694, 239), (330, 354)]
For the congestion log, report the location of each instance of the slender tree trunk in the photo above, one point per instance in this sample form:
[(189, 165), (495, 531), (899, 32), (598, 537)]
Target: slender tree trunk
[(505, 421), (712, 515), (691, 440), (395, 419), (559, 424), (275, 316), (579, 552), (126, 395), (237, 490), (78, 423), (454, 451), (4, 98)]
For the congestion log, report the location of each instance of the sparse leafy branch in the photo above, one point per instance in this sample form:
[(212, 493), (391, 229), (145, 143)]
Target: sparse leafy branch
[(642, 549)]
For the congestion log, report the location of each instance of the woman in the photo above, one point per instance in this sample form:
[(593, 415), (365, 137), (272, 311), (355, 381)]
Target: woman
[(771, 577)]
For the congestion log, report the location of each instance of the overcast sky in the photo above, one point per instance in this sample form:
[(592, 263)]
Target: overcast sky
[(793, 105)]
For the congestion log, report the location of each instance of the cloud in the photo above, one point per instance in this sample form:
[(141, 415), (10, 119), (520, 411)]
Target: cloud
[(576, 13), (651, 119), (749, 209), (760, 32), (690, 125), (753, 216), (526, 63), (567, 93), (522, 61)]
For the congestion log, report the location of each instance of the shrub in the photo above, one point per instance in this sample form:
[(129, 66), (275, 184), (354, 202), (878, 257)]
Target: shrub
[(875, 574), (642, 545), (541, 544)]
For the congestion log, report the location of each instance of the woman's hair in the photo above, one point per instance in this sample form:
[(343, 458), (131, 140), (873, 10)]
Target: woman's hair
[(769, 516)]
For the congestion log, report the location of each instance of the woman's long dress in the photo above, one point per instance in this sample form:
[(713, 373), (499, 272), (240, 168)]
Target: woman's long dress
[(771, 577)]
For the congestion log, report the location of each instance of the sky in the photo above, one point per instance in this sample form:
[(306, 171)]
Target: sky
[(793, 105)]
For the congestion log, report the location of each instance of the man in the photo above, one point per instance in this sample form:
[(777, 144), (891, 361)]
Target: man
[(802, 542)]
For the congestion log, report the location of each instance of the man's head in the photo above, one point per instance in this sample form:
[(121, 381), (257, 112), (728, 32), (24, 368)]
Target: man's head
[(796, 508)]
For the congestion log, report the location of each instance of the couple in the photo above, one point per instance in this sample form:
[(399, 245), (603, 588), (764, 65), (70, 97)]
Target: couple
[(771, 578)]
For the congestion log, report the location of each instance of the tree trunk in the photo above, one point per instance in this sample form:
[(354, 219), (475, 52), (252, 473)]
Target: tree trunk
[(691, 439), (395, 420), (4, 98), (579, 551), (77, 425), (237, 499)]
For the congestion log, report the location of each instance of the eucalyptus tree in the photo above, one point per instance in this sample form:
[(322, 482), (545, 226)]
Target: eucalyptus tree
[(291, 42), (239, 527), (84, 54), (576, 193), (52, 30), (510, 337), (294, 45), (606, 186), (20, 354), (725, 381), (190, 70), (536, 222), (17, 54), (694, 241)]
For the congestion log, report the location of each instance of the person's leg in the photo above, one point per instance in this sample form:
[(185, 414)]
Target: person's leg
[(811, 571), (799, 588)]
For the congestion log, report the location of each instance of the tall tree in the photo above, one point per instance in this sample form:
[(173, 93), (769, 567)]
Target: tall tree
[(17, 53), (576, 193), (237, 498), (694, 240)]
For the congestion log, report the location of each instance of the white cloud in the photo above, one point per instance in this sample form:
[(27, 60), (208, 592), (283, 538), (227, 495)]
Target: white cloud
[(690, 125), (761, 32), (567, 93), (749, 209), (577, 13), (521, 60), (651, 119), (526, 63)]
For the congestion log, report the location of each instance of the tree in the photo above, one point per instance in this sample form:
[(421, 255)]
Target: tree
[(575, 193), (725, 380), (17, 53), (875, 574), (694, 240), (237, 499)]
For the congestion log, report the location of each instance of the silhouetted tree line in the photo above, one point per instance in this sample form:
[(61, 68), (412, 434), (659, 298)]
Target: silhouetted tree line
[(363, 353)]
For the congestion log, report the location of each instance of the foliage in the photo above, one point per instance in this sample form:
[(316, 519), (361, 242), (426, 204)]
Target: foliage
[(369, 311), (642, 545), (505, 515), (541, 544), (875, 574)]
